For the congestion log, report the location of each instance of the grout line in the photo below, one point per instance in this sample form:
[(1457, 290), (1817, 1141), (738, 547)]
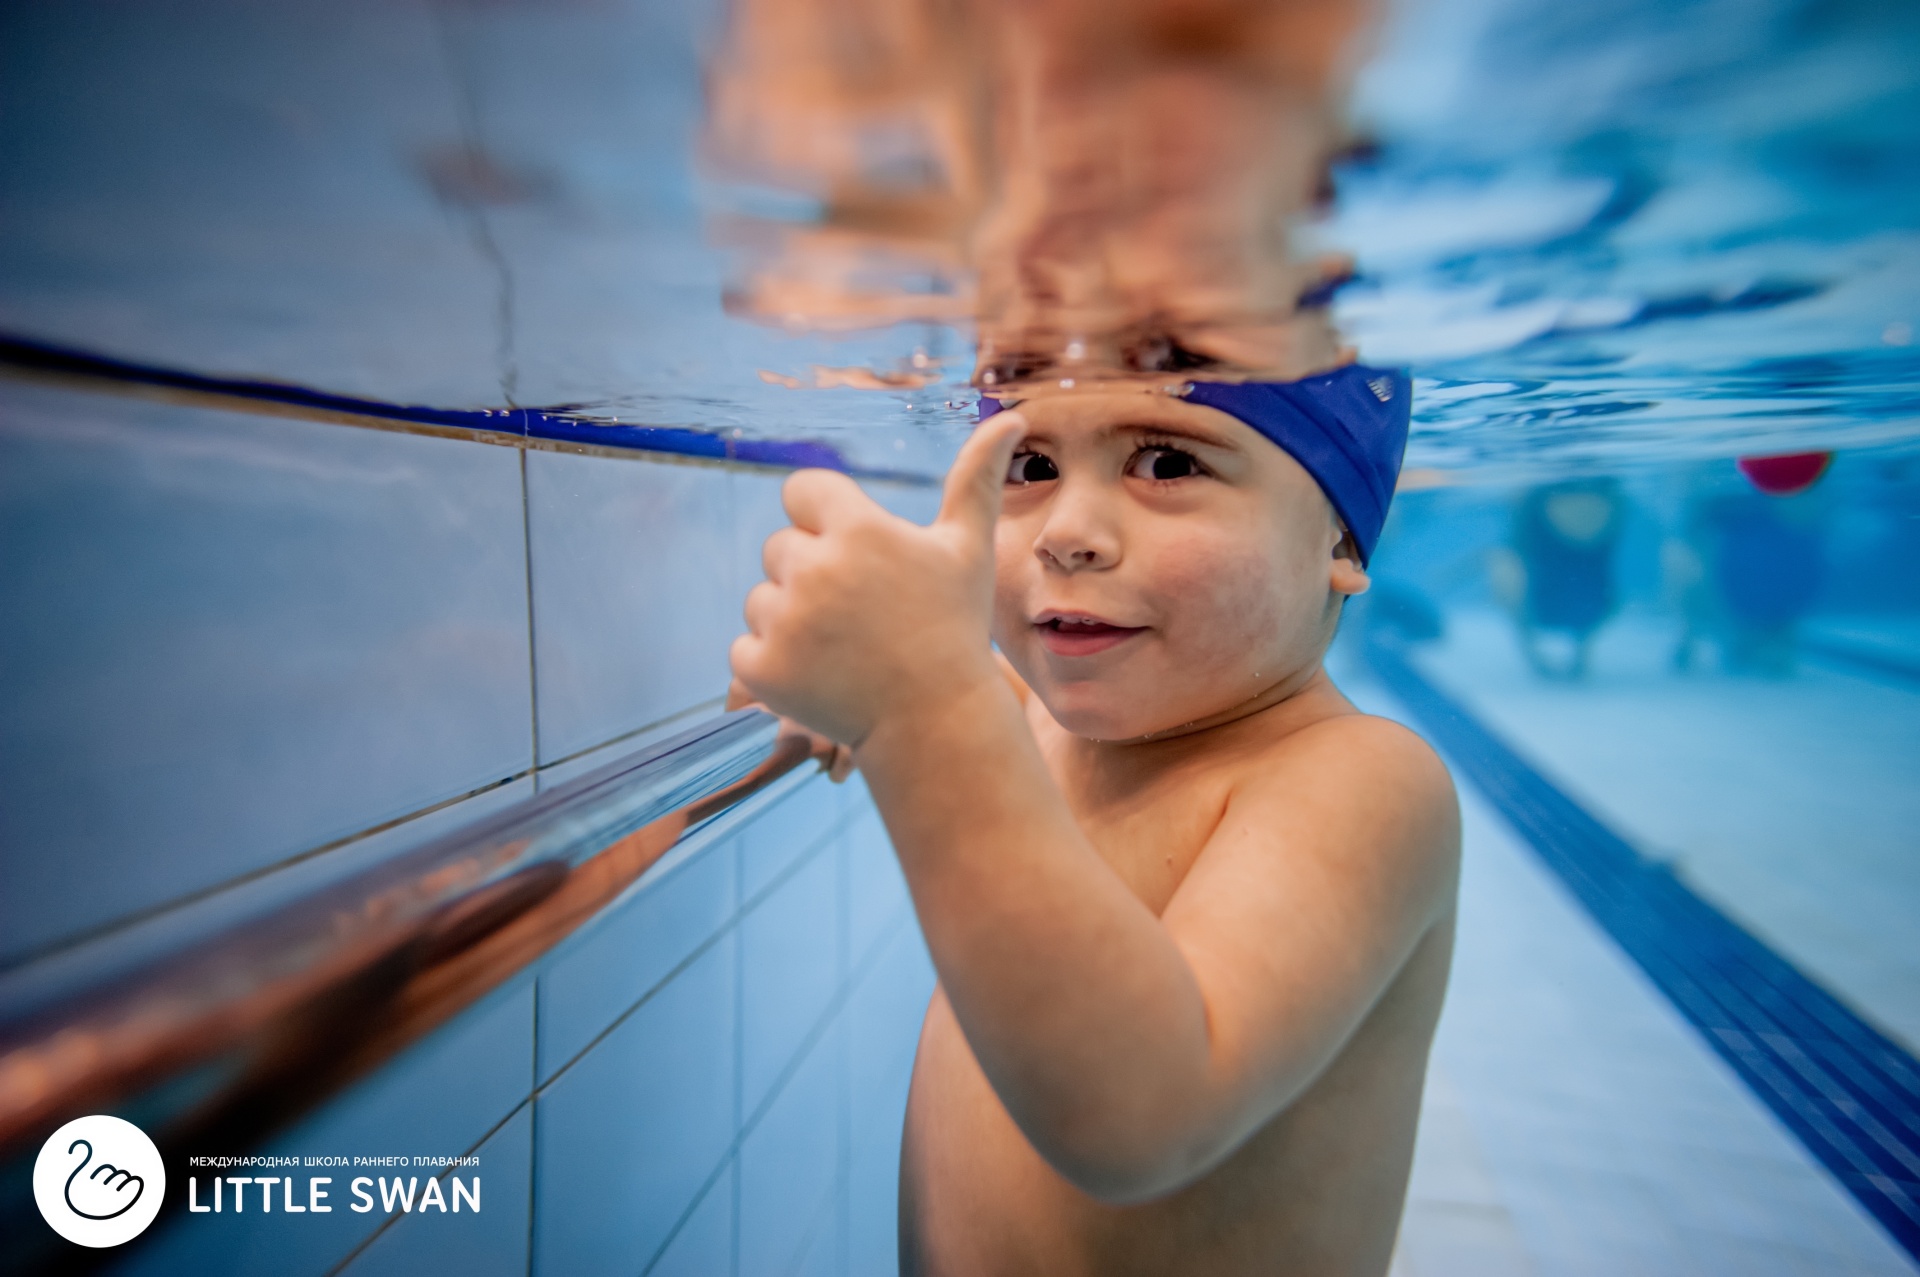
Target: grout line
[(533, 651), (760, 897), (711, 703), (528, 429), (835, 1005), (139, 916), (739, 1037), (533, 1129), (136, 918), (391, 1220)]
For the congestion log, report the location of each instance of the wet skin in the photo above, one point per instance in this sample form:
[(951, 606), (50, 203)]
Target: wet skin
[(1191, 911)]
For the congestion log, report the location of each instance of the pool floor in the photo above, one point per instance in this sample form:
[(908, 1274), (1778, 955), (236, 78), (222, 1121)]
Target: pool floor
[(1574, 1121)]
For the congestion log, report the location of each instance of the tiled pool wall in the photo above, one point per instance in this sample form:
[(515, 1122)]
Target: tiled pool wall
[(244, 653)]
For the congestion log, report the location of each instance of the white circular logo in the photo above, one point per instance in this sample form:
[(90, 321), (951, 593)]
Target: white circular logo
[(99, 1181)]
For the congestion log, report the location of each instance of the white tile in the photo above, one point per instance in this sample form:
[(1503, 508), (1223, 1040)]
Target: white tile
[(633, 594), (490, 1242), (602, 970), (775, 838), (789, 971), (704, 1245), (233, 639), (626, 1136), (790, 1164), (440, 1098)]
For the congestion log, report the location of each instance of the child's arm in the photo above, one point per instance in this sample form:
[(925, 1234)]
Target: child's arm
[(1134, 1051)]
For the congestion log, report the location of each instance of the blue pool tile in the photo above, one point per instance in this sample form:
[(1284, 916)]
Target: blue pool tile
[(249, 190), (131, 947), (795, 824), (490, 1243), (909, 501), (627, 1135), (633, 593), (704, 1245), (231, 639), (789, 971), (442, 1097), (790, 1163), (631, 946), (883, 1028)]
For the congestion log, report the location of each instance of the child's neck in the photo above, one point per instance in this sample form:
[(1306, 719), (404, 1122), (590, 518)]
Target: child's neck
[(1281, 708)]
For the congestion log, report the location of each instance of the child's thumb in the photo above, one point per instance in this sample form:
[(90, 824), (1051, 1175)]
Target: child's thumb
[(971, 499)]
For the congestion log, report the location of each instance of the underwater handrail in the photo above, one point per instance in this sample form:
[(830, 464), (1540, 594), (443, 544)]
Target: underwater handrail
[(258, 1022)]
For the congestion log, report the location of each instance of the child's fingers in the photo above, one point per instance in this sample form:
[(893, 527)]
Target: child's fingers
[(841, 765), (777, 555), (818, 499), (745, 657), (971, 499), (763, 603), (738, 697)]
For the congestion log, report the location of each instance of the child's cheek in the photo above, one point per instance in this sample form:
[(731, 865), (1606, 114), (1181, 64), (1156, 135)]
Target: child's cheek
[(1219, 594)]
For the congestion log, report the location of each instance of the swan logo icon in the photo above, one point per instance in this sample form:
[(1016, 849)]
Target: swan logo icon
[(99, 1181)]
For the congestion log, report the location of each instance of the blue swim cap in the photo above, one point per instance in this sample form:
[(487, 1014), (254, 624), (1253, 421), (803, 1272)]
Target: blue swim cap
[(1347, 428)]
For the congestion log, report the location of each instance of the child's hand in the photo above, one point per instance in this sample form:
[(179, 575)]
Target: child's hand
[(836, 760), (864, 616)]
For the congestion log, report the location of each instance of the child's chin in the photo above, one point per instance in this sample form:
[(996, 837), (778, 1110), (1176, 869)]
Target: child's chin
[(1098, 717)]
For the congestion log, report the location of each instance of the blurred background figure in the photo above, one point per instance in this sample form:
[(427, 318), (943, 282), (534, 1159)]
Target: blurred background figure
[(1557, 572), (1746, 572)]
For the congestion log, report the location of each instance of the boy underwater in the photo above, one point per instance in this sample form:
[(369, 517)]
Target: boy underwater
[(1191, 911)]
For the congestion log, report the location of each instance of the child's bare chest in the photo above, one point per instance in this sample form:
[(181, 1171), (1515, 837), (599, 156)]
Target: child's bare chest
[(1150, 827)]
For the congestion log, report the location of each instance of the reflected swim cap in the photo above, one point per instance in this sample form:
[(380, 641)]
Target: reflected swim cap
[(1347, 428)]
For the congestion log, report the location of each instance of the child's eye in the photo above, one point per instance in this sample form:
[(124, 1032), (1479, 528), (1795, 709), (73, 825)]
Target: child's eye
[(1163, 463), (1031, 467)]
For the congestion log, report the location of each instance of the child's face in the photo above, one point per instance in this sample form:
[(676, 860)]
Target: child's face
[(1158, 562)]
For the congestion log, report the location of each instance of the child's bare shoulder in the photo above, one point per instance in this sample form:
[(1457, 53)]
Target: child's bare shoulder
[(1354, 784)]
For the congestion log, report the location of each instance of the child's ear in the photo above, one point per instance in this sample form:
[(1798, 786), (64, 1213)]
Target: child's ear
[(1346, 574)]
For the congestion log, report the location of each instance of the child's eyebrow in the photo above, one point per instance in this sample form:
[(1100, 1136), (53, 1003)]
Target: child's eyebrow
[(1177, 430)]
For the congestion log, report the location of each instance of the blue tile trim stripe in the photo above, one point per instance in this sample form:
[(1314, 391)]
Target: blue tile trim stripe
[(1862, 659), (552, 424), (1846, 1091)]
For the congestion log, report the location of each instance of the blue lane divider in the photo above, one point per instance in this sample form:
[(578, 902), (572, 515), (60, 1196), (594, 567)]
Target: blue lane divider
[(1847, 1091), (1861, 658), (556, 424)]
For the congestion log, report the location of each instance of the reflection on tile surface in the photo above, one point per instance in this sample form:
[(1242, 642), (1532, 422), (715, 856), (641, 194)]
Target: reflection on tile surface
[(440, 1098), (629, 948), (490, 1243), (234, 188), (788, 971), (626, 1137), (230, 639), (800, 819), (633, 593), (129, 948)]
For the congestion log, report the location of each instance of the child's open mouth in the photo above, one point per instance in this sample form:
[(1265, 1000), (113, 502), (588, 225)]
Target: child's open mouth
[(1079, 635)]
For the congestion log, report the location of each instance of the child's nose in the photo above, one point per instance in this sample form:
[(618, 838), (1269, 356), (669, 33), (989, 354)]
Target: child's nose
[(1076, 537)]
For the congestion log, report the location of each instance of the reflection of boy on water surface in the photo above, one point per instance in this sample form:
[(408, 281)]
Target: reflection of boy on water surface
[(1191, 911)]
